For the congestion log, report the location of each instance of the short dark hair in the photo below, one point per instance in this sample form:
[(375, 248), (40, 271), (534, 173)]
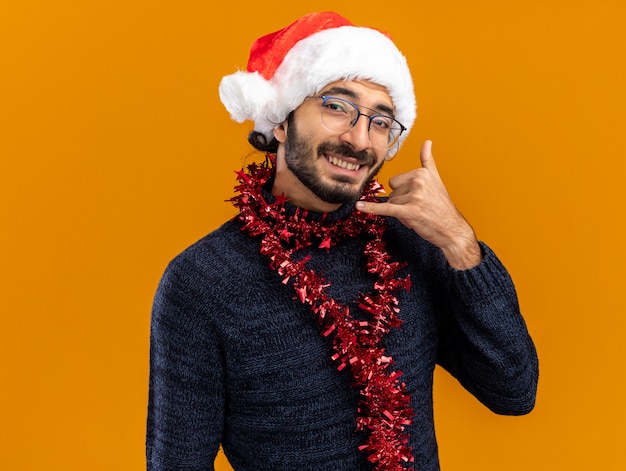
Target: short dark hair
[(258, 140)]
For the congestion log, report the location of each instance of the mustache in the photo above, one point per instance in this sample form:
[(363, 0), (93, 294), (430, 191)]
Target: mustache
[(346, 150)]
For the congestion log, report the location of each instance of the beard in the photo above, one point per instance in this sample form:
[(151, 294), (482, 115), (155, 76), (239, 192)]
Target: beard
[(300, 158)]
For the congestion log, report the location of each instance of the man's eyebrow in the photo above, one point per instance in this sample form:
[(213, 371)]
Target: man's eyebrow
[(336, 90)]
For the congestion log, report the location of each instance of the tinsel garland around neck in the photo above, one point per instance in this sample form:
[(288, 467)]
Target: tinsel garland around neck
[(383, 410)]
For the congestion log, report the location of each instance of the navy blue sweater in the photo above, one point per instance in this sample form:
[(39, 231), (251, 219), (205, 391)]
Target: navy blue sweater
[(235, 360)]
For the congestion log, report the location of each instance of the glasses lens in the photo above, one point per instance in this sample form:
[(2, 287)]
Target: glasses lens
[(339, 115), (384, 131), (394, 134)]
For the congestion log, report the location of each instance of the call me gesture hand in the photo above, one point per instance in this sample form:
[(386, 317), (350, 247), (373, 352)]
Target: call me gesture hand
[(420, 201)]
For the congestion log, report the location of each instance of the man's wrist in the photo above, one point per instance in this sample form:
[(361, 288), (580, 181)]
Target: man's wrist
[(463, 255)]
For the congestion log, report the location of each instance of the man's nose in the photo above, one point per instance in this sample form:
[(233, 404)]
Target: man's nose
[(358, 136)]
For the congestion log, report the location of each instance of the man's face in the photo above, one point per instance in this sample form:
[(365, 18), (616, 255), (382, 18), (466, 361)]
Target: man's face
[(329, 167)]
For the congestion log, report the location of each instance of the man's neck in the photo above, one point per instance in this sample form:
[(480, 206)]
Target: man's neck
[(299, 195)]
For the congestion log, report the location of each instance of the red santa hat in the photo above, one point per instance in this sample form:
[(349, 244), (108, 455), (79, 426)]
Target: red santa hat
[(298, 61)]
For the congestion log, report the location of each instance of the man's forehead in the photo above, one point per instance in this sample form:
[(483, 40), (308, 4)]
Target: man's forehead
[(358, 84)]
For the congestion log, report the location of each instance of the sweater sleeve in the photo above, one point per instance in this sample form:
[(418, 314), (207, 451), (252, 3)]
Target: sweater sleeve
[(484, 341), (186, 387)]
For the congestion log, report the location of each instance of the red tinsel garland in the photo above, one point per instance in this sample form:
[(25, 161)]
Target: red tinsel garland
[(383, 410)]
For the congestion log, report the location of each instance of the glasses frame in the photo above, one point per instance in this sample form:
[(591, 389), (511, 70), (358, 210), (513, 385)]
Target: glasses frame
[(370, 117)]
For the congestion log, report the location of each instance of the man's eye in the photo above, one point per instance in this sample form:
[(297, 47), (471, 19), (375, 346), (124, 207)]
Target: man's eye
[(336, 106), (381, 122)]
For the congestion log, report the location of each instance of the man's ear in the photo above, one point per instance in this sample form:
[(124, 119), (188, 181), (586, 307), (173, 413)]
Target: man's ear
[(280, 132)]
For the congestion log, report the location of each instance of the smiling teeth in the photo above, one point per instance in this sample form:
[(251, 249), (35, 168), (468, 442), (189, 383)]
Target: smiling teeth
[(343, 163)]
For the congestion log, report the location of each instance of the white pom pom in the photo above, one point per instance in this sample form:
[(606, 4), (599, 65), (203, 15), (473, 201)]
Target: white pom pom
[(246, 95)]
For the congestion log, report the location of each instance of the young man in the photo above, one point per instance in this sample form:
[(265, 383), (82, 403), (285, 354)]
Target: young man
[(303, 334)]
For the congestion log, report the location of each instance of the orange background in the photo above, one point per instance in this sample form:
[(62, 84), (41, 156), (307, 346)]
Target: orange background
[(116, 154)]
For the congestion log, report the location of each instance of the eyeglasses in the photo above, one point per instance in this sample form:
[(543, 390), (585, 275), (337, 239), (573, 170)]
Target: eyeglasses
[(339, 115)]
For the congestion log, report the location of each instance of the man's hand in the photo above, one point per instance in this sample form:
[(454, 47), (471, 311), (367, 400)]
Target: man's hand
[(420, 201)]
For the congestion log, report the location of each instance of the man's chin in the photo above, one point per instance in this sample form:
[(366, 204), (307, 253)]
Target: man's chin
[(342, 194)]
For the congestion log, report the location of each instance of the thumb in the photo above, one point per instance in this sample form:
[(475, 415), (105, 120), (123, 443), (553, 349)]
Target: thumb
[(426, 156)]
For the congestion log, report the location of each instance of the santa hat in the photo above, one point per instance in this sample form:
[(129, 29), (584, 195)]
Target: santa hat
[(298, 61)]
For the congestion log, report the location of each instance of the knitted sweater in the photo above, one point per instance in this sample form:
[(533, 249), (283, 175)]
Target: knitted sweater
[(236, 360)]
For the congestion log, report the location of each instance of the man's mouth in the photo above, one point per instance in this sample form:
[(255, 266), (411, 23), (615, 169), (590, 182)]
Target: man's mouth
[(343, 164)]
